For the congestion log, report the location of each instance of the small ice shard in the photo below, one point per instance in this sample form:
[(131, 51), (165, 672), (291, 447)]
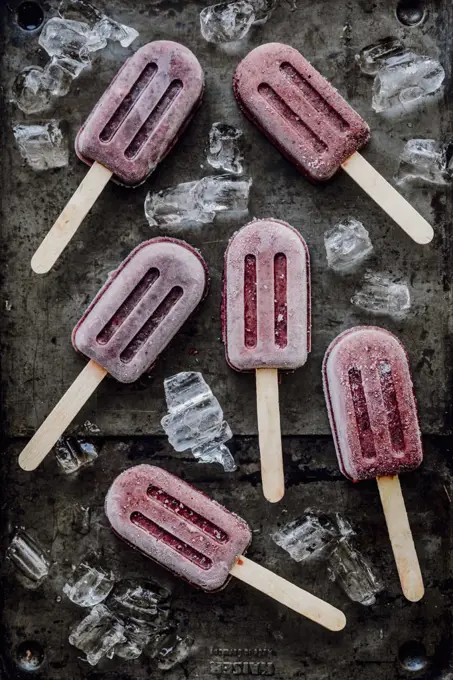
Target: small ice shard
[(145, 600), (382, 296), (426, 160), (195, 420), (352, 572), (176, 651), (263, 10), (98, 634), (227, 21), (195, 203), (373, 57), (28, 557), (347, 245), (344, 527), (88, 585), (406, 79), (107, 29), (138, 634), (73, 517), (90, 427), (43, 145), (224, 151), (72, 454), (307, 538)]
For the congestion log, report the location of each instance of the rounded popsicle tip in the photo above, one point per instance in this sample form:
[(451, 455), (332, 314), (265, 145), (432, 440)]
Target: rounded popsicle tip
[(424, 234), (27, 462), (273, 495), (413, 589), (337, 621)]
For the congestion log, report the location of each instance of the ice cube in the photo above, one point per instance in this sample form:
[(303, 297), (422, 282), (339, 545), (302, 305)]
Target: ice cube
[(351, 571), (195, 420), (263, 10), (176, 651), (425, 160), (344, 527), (72, 454), (28, 557), (224, 152), (307, 538), (107, 29), (373, 57), (227, 21), (406, 79), (73, 517), (138, 634), (79, 10), (88, 585), (383, 296), (347, 245), (31, 90), (64, 38), (144, 599), (98, 634), (43, 145), (195, 203)]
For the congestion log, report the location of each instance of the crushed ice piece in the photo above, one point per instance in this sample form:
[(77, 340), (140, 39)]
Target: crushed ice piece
[(263, 10), (31, 90), (227, 21), (405, 79), (73, 517), (347, 245), (307, 538), (90, 427), (373, 57), (8, 305), (98, 634), (43, 145), (425, 160), (72, 454), (344, 527), (138, 635), (65, 38), (107, 29), (145, 600), (194, 203), (351, 571), (195, 420), (28, 557), (88, 585), (79, 10), (224, 151), (381, 295), (175, 651)]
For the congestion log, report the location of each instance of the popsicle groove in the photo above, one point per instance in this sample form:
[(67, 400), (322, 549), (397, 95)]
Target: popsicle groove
[(151, 324), (280, 301), (250, 302), (301, 128), (128, 102), (146, 524), (150, 124), (390, 400), (314, 98), (187, 513), (361, 413), (128, 306)]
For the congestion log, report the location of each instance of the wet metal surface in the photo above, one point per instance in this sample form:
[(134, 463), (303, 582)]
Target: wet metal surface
[(392, 639)]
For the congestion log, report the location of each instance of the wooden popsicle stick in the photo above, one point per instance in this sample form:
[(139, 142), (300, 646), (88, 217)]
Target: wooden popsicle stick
[(270, 439), (287, 593), (70, 219), (62, 415), (401, 537), (388, 198)]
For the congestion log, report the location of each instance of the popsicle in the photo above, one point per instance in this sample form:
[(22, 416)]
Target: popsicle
[(131, 129), (198, 539), (266, 324), (373, 416), (314, 127), (129, 323)]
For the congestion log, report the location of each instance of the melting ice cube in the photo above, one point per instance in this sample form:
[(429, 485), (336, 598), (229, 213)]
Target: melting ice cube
[(425, 160), (307, 538), (406, 79), (194, 203), (28, 557), (175, 651), (381, 295), (373, 57), (224, 151), (195, 420), (88, 585), (347, 245), (143, 599), (98, 634), (72, 454), (352, 572), (227, 21), (43, 145)]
